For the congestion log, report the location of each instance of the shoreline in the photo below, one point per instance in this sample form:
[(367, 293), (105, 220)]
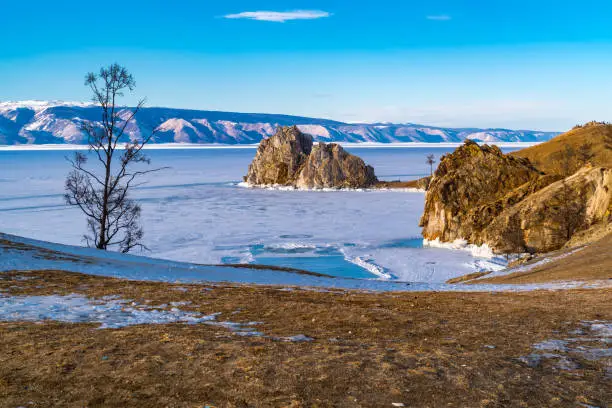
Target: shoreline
[(26, 254), (389, 186), (180, 146)]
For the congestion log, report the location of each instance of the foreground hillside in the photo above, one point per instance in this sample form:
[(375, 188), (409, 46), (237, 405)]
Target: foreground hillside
[(80, 327), (588, 261), (34, 122), (279, 347)]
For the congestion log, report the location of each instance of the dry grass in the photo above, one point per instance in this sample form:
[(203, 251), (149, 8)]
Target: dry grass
[(544, 155), (589, 263), (398, 184), (421, 349), (468, 277)]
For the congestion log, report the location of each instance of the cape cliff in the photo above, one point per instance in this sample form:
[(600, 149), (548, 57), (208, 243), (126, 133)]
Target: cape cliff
[(483, 196), (289, 159)]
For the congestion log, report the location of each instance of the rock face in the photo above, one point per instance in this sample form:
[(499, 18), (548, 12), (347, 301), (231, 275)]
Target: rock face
[(485, 197), (280, 158), (547, 219), (470, 177), (330, 166), (289, 159)]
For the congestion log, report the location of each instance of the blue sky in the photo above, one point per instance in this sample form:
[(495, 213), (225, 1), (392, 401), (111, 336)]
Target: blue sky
[(535, 64)]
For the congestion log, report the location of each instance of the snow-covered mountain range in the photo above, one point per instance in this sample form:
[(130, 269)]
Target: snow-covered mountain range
[(39, 122)]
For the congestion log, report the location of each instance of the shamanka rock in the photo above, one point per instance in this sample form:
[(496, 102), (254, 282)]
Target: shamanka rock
[(280, 158), (289, 159), (330, 166)]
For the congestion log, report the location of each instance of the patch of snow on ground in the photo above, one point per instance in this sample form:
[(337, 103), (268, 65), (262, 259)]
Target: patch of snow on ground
[(551, 345), (296, 338), (590, 342), (110, 313)]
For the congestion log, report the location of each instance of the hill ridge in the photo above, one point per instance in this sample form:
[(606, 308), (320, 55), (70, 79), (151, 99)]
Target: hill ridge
[(58, 122)]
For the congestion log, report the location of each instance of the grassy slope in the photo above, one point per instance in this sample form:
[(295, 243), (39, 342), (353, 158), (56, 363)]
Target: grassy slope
[(595, 261), (543, 155), (369, 350), (592, 262)]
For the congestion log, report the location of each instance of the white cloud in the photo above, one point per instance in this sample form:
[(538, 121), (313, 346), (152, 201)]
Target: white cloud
[(441, 17), (280, 16)]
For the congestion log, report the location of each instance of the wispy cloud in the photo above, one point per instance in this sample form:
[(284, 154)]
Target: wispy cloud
[(441, 17), (280, 16)]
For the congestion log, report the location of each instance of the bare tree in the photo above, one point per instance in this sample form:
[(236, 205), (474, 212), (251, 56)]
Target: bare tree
[(567, 161), (101, 190), (571, 211), (516, 236), (608, 139), (585, 153), (431, 160)]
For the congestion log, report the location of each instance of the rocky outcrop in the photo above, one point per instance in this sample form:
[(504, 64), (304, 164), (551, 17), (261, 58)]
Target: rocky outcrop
[(547, 219), (280, 158), (289, 159), (485, 197), (330, 166), (472, 176)]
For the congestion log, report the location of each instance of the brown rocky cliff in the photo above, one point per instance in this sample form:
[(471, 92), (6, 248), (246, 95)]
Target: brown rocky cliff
[(330, 166), (547, 219), (485, 197), (471, 177), (280, 158), (288, 158)]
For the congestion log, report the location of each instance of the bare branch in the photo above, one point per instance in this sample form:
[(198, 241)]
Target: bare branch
[(102, 192)]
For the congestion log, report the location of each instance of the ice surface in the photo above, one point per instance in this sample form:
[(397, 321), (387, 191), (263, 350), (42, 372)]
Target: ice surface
[(38, 255), (194, 212)]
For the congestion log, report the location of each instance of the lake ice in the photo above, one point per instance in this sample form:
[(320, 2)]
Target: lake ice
[(195, 212)]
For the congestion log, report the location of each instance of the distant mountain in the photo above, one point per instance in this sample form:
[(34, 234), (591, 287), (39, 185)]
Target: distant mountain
[(37, 122)]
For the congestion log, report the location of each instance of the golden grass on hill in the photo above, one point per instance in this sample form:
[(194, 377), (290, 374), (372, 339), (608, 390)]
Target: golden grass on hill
[(588, 263), (369, 349), (545, 156), (398, 184)]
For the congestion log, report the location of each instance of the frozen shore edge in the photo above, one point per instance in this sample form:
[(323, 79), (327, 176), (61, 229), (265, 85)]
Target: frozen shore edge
[(139, 268), (279, 187)]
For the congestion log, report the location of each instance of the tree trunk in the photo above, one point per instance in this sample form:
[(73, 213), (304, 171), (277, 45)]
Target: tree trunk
[(102, 244)]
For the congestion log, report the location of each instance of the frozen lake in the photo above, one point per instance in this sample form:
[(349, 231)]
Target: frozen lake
[(195, 212)]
